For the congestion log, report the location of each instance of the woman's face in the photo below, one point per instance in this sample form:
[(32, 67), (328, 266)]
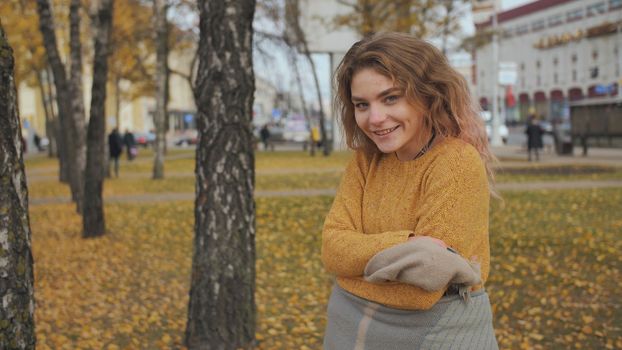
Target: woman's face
[(385, 115)]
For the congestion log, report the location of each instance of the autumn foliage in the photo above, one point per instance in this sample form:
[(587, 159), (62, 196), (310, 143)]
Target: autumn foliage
[(554, 280)]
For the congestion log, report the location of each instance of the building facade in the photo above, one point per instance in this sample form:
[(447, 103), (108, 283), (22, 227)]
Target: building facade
[(563, 51)]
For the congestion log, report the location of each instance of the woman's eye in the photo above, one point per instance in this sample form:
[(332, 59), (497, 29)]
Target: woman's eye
[(360, 105), (391, 99)]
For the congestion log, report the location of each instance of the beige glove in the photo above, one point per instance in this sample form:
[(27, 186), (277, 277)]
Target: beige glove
[(422, 263)]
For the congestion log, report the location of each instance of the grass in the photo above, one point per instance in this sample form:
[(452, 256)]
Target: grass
[(553, 285)]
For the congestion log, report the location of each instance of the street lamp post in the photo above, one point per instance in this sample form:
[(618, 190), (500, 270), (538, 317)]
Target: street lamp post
[(495, 138)]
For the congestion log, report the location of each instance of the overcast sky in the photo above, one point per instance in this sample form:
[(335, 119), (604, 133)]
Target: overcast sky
[(281, 76)]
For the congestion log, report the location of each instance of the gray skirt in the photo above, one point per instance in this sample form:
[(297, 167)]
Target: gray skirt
[(359, 324)]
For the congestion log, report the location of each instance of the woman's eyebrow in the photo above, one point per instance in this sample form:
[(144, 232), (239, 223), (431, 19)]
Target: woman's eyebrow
[(380, 95)]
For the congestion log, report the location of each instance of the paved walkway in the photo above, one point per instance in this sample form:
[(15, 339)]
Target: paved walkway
[(188, 196), (517, 156)]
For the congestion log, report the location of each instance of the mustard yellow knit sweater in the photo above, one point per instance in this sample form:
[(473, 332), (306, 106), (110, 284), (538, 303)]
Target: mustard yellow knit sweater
[(382, 200)]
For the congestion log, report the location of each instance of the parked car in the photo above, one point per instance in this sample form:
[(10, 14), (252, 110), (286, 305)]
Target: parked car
[(145, 139), (503, 129), (187, 138), (547, 127)]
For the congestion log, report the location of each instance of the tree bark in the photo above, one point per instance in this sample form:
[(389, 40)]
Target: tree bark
[(93, 216), (49, 116), (221, 310), (77, 105), (161, 82), (55, 128), (16, 263)]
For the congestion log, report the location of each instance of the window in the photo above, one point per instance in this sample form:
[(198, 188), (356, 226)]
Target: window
[(574, 75), (614, 4), (594, 72), (595, 55), (574, 15), (538, 25), (557, 20), (522, 66), (508, 33), (574, 58), (538, 80), (522, 29), (522, 81), (596, 9), (555, 61), (538, 64), (555, 78)]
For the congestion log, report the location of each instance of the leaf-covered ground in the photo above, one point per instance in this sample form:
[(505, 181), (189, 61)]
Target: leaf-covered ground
[(554, 284)]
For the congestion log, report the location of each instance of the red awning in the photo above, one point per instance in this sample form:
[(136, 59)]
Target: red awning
[(575, 94), (557, 95), (510, 101), (523, 98), (539, 96)]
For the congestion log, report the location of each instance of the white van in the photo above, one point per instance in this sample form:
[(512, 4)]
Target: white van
[(503, 129)]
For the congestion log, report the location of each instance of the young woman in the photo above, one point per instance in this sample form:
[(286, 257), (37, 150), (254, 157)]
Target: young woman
[(412, 207)]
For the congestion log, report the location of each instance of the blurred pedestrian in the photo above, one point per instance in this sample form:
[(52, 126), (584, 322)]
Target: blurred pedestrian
[(130, 144), (534, 138), (412, 205), (115, 148), (37, 140), (264, 133)]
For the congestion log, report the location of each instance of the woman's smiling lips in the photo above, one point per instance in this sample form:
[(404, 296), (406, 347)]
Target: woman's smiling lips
[(385, 131)]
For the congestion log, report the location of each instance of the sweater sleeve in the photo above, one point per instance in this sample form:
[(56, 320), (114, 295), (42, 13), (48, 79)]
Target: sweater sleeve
[(346, 247), (455, 204)]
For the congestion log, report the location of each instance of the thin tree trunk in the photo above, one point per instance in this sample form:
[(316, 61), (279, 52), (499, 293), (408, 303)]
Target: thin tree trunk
[(161, 39), (305, 110), (49, 114), (93, 217), (54, 125), (293, 12), (117, 101), (17, 317), (77, 106), (221, 310), (46, 25)]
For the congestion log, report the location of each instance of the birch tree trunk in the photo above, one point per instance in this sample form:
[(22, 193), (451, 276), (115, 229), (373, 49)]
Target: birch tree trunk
[(93, 216), (16, 263), (221, 310), (161, 82), (77, 104)]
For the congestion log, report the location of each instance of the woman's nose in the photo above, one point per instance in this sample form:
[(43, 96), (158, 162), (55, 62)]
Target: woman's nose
[(376, 115)]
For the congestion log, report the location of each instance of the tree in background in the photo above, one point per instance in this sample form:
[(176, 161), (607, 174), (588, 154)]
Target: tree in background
[(78, 132), (422, 18), (221, 309), (131, 47), (32, 67), (93, 215), (72, 134), (286, 17), (16, 262), (296, 36), (160, 8)]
